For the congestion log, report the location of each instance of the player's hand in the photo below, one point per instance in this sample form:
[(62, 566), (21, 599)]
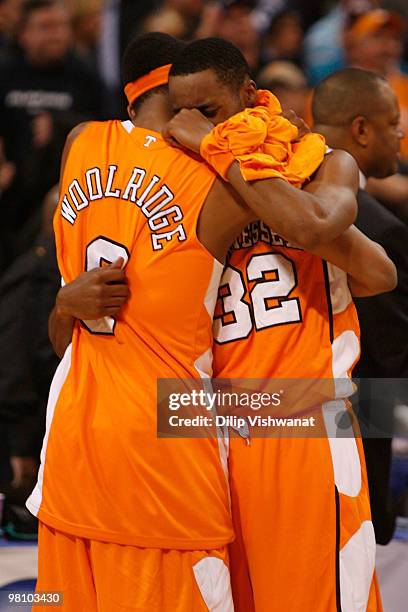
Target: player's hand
[(301, 125), (187, 129), (98, 293)]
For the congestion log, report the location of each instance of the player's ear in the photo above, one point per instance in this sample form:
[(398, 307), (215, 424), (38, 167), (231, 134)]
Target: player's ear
[(249, 94), (360, 131), (131, 112)]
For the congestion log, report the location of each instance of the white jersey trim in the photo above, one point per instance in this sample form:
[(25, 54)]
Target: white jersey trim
[(34, 501), (128, 125)]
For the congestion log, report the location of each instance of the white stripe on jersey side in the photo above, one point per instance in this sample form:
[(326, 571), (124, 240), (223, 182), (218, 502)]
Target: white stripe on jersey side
[(357, 557), (213, 580), (344, 451), (357, 564), (203, 363), (33, 503)]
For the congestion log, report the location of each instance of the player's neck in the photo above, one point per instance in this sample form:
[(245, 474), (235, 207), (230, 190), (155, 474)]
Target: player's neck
[(153, 114)]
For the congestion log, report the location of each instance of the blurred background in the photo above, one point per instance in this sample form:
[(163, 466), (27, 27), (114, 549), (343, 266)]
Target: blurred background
[(60, 65)]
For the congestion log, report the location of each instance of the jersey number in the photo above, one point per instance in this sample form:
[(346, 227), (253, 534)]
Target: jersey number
[(275, 279), (99, 252)]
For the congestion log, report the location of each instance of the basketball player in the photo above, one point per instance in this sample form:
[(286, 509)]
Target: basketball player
[(145, 519), (301, 511)]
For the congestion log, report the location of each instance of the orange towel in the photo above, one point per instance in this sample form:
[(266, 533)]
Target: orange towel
[(263, 142)]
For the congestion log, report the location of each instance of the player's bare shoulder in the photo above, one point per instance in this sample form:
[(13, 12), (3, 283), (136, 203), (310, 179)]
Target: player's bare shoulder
[(339, 168), (72, 136)]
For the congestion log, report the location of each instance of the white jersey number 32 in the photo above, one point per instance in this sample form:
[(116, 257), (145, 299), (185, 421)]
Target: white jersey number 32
[(275, 279)]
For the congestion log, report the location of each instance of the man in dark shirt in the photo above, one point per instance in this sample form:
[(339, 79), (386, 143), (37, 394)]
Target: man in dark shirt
[(45, 90), (357, 111)]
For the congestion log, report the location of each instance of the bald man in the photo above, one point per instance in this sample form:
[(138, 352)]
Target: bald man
[(357, 111)]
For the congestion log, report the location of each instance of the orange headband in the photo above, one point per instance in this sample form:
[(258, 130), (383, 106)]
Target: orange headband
[(159, 76)]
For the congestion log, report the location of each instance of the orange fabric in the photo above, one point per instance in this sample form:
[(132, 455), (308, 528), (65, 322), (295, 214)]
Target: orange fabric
[(135, 89), (108, 577), (295, 320), (263, 143), (301, 348), (284, 512), (106, 474)]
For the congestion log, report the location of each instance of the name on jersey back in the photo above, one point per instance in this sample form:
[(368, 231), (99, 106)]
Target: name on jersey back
[(154, 199)]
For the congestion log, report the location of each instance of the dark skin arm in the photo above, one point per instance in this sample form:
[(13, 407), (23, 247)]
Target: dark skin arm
[(370, 271), (311, 216), (316, 218), (92, 295)]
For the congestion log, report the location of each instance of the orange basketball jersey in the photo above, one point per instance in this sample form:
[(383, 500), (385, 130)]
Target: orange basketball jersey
[(105, 475), (282, 312)]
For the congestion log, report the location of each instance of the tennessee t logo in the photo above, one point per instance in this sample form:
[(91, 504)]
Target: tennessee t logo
[(149, 140)]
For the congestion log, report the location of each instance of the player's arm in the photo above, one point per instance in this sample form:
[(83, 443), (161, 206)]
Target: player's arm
[(306, 217), (370, 271), (101, 292), (309, 217)]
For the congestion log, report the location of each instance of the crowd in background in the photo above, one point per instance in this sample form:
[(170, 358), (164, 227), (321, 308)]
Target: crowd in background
[(60, 65)]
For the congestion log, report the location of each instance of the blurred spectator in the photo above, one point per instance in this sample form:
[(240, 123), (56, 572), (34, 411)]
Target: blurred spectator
[(288, 83), (168, 21), (45, 90), (86, 24), (190, 11), (283, 38), (401, 7), (27, 365), (309, 11), (179, 18), (323, 49), (374, 41), (236, 25), (264, 12), (10, 11)]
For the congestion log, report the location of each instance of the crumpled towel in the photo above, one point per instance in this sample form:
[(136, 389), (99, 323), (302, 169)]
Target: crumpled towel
[(262, 141)]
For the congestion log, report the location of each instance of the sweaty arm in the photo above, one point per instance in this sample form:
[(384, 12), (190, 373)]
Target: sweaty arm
[(92, 295), (311, 216), (307, 217)]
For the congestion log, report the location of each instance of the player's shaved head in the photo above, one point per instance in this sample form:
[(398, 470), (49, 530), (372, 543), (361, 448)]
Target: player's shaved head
[(356, 110), (346, 94)]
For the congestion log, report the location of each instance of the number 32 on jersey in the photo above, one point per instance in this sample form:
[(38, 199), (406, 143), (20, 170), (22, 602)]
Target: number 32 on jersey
[(273, 278)]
